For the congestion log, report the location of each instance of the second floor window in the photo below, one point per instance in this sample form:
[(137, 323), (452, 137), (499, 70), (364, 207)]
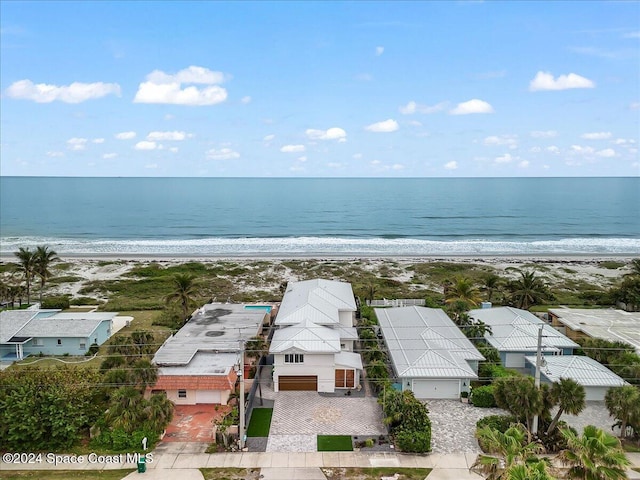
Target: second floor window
[(293, 358)]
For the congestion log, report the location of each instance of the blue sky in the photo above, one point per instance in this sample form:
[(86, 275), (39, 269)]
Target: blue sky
[(409, 89)]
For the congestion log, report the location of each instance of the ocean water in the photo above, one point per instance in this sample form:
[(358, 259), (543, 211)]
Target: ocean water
[(347, 216)]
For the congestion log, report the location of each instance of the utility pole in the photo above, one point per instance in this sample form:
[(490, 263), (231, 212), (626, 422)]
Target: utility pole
[(537, 378), (241, 373)]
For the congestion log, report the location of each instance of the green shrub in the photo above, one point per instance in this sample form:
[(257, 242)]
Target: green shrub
[(56, 302), (483, 397), (414, 441), (369, 442), (497, 422), (93, 349)]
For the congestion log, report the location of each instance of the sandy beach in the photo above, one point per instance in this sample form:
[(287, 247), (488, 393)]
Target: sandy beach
[(268, 273)]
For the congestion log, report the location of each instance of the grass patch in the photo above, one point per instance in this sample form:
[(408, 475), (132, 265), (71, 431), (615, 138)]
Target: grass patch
[(631, 447), (611, 264), (229, 473), (334, 443), (375, 473), (260, 422), (65, 475)]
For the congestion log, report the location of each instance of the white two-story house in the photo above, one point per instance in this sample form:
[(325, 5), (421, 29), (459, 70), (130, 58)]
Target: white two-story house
[(313, 346)]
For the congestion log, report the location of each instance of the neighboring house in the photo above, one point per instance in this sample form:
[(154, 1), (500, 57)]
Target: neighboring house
[(514, 333), (608, 324), (313, 347), (594, 377), (199, 364), (429, 353), (51, 332)]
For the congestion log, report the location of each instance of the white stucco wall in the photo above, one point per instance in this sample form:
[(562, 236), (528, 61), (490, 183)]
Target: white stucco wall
[(347, 318)]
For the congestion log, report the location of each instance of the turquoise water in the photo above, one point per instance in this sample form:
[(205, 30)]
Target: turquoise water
[(286, 216), (266, 308)]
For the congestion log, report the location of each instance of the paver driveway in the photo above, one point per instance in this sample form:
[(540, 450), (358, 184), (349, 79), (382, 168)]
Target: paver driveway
[(299, 416)]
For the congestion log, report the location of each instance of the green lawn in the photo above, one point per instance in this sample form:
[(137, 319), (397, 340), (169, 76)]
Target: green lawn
[(375, 473), (334, 443), (65, 475), (260, 422)]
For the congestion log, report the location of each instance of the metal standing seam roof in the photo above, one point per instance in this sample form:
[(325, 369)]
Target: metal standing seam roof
[(584, 370), (306, 337), (317, 300), (424, 342), (516, 330), (348, 359), (12, 321)]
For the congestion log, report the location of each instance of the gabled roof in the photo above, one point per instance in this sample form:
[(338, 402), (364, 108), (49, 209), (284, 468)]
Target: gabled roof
[(306, 337), (584, 370), (12, 321), (516, 330), (424, 342), (317, 300)]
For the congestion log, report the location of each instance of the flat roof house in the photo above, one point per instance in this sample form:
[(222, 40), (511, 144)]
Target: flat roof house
[(514, 333), (429, 353), (593, 376), (313, 346), (606, 323), (198, 363), (51, 332)]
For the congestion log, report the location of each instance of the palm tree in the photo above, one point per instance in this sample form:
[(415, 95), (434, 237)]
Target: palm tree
[(529, 290), (490, 284), (43, 260), (509, 451), (143, 373), (26, 264), (126, 409), (159, 411), (635, 267), (463, 290), (570, 398), (623, 404), (594, 455), (184, 291)]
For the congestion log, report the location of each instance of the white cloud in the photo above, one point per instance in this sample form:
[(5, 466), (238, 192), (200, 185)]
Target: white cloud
[(151, 165), (379, 51), (634, 106), (167, 89), (623, 141), (524, 164), (580, 150), (375, 162), (245, 100), (397, 166), (125, 135), (108, 156), (535, 149), (510, 140), (506, 158), (77, 143), (553, 149), (334, 133), (268, 138), (75, 93), (545, 81), (364, 77), (55, 154), (544, 134), (606, 153), (168, 136), (632, 35), (296, 168), (385, 126), (293, 148), (168, 117), (596, 135), (356, 156), (303, 158), (222, 154), (173, 149), (451, 165), (146, 145), (413, 107), (334, 165), (472, 106)]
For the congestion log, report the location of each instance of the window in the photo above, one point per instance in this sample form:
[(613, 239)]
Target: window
[(83, 346), (294, 358), (38, 342), (182, 394), (59, 342)]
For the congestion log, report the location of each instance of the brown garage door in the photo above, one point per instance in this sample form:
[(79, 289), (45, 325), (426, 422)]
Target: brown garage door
[(298, 383)]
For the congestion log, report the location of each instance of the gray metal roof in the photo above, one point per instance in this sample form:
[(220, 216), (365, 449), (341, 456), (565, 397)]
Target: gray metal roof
[(306, 337), (516, 330), (204, 363), (12, 321), (424, 342), (584, 370), (348, 359), (317, 300), (216, 327), (52, 327), (606, 323)]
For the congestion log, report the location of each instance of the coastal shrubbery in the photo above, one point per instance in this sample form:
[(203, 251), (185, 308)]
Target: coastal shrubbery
[(483, 396)]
